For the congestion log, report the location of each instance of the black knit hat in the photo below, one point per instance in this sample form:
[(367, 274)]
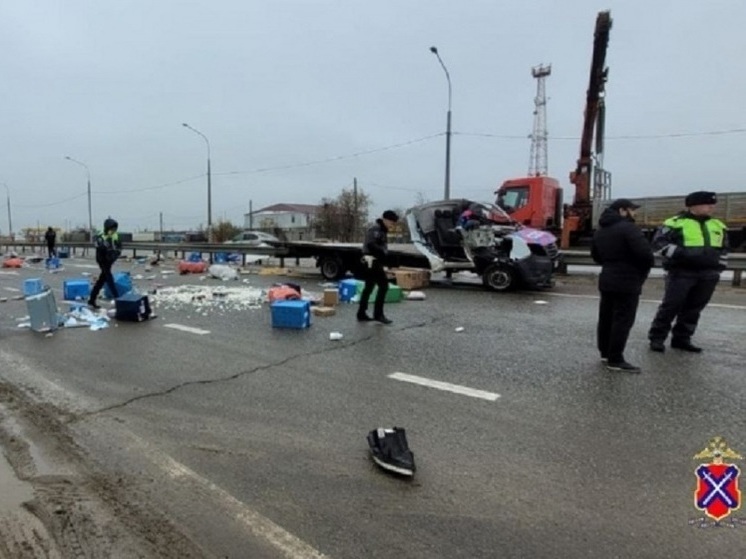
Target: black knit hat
[(390, 215), (623, 204), (700, 197), (110, 224)]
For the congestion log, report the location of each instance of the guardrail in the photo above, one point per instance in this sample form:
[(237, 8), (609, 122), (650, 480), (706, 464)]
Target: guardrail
[(736, 262)]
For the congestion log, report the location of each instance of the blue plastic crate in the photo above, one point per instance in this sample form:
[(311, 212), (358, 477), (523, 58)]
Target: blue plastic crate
[(291, 314), (123, 281), (220, 258), (195, 257), (32, 286), (74, 289), (52, 263), (63, 253), (347, 290)]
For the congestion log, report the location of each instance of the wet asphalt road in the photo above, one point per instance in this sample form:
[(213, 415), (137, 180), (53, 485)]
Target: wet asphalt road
[(250, 437)]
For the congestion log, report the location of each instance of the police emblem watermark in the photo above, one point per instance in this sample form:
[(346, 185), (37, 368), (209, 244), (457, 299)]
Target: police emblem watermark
[(717, 494)]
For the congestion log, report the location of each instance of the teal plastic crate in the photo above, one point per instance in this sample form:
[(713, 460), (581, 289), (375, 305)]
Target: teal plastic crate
[(394, 294)]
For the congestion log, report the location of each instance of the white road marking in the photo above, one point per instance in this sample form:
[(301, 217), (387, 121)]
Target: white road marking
[(189, 329), (13, 289), (653, 301), (289, 545), (466, 391), (3, 273), (90, 266)]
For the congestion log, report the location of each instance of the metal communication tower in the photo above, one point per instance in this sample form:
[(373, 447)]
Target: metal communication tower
[(538, 164)]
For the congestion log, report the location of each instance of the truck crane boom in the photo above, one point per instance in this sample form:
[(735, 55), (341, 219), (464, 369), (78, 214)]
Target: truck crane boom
[(577, 216)]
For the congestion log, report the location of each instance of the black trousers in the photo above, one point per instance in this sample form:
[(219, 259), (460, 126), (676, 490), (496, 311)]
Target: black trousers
[(50, 249), (374, 276), (616, 316), (686, 296), (105, 277)]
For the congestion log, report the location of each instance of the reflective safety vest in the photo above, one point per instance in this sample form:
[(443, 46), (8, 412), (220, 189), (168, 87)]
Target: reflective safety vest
[(708, 233)]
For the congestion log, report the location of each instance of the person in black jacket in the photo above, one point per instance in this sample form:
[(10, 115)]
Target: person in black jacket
[(51, 237), (108, 250), (626, 258), (375, 250)]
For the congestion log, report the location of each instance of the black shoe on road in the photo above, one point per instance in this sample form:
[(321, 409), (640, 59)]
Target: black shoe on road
[(657, 346), (622, 366), (389, 449), (686, 346), (362, 317), (382, 319), (93, 305)]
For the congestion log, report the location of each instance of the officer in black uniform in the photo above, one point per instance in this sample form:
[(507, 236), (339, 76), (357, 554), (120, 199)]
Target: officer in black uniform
[(694, 246), (375, 250)]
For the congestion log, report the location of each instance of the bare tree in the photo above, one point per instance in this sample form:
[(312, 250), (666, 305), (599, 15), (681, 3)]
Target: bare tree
[(343, 218)]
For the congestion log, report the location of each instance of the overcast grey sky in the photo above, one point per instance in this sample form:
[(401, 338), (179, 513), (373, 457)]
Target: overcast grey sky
[(284, 82)]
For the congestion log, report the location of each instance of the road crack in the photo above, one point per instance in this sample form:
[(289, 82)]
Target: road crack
[(253, 370)]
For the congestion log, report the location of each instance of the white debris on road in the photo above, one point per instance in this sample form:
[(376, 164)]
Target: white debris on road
[(205, 298)]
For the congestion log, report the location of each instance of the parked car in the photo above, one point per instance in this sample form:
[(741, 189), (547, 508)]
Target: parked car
[(253, 238)]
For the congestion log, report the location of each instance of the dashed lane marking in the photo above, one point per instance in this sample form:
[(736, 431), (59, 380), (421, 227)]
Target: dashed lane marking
[(447, 386), (189, 329)]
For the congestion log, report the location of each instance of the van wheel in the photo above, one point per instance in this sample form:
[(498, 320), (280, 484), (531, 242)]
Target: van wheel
[(499, 277), (332, 268)]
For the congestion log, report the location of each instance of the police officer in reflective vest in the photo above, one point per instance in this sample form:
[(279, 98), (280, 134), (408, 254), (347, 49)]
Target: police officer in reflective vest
[(108, 251), (694, 246)]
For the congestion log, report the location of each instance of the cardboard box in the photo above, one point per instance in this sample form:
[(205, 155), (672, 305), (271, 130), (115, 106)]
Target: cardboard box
[(324, 311), (412, 278), (331, 297)]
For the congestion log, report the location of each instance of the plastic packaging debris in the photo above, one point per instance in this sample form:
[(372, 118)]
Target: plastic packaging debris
[(416, 296), (335, 336), (460, 329), (83, 316), (540, 302), (223, 272), (24, 325)]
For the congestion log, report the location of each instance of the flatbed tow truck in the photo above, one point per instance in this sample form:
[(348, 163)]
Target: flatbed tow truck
[(505, 254)]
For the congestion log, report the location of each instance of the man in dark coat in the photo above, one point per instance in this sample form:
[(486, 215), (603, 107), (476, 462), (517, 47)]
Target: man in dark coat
[(375, 251), (51, 237), (694, 246), (626, 258)]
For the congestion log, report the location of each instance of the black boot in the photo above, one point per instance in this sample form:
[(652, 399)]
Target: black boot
[(685, 346), (657, 345)]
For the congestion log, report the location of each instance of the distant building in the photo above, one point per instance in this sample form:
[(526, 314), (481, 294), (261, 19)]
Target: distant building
[(291, 222)]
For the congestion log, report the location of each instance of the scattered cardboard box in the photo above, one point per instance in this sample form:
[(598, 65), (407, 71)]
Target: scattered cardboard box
[(323, 311), (330, 298)]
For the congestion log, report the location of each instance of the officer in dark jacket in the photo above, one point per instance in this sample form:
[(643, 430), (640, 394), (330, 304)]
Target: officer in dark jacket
[(626, 259), (108, 249), (694, 246), (375, 250)]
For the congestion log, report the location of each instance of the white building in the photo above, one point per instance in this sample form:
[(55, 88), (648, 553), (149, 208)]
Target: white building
[(294, 222)]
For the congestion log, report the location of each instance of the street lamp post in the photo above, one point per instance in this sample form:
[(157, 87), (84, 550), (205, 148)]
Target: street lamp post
[(209, 185), (90, 214), (10, 221), (448, 127)]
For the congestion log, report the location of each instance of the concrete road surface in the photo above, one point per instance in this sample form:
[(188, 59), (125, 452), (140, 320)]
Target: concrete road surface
[(206, 433)]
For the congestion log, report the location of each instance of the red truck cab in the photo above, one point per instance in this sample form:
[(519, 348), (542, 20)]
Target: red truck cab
[(532, 201)]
